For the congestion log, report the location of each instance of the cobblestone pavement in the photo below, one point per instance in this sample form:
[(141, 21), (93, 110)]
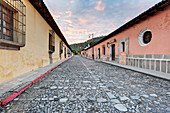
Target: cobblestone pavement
[(85, 86)]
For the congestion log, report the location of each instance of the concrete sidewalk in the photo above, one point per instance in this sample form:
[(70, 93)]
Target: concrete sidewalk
[(141, 70), (19, 82)]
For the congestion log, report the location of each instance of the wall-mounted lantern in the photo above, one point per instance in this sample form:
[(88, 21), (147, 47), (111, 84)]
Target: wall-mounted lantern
[(111, 41)]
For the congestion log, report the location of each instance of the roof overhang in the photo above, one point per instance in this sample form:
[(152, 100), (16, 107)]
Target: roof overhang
[(44, 12), (150, 12)]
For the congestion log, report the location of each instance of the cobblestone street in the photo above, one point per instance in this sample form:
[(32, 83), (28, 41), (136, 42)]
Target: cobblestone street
[(81, 85)]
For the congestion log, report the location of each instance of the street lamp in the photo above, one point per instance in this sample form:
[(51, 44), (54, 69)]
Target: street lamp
[(92, 43)]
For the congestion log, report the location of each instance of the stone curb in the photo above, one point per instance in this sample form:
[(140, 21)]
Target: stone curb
[(157, 74), (27, 85)]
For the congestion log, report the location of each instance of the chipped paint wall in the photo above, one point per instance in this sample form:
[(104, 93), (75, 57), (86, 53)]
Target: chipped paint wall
[(34, 55)]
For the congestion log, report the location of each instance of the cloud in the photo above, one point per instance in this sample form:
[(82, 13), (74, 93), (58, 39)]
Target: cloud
[(71, 40), (87, 20), (68, 21), (100, 6), (79, 18), (76, 31), (83, 20), (69, 13), (72, 1)]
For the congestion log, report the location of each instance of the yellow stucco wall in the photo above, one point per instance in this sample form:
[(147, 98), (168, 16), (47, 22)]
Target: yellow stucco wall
[(55, 55), (35, 53)]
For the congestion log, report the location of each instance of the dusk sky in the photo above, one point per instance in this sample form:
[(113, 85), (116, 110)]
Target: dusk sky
[(79, 18)]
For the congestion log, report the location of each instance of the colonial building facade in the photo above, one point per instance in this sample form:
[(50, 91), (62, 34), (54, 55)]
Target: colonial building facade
[(29, 38), (143, 42)]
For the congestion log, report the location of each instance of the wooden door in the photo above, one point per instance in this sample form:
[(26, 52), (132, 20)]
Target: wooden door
[(113, 52)]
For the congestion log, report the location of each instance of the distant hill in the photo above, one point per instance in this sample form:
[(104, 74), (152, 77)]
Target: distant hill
[(80, 46)]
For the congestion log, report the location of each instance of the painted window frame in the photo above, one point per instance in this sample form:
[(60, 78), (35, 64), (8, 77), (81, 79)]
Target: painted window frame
[(122, 46), (51, 41), (141, 37)]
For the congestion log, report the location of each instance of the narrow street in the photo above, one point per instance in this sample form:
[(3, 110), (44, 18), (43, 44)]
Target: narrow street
[(81, 85)]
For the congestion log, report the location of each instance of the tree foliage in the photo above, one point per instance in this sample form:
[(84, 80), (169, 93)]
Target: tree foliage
[(80, 46)]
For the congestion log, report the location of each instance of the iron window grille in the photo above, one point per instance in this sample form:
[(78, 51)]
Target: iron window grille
[(12, 24)]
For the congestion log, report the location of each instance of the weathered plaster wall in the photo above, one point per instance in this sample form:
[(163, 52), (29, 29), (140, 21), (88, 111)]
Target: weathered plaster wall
[(56, 55), (159, 24), (35, 53)]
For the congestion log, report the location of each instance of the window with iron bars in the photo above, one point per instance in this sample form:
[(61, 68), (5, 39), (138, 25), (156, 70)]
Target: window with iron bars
[(12, 24)]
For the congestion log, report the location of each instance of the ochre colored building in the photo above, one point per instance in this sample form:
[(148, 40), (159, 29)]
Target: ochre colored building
[(142, 42), (29, 38)]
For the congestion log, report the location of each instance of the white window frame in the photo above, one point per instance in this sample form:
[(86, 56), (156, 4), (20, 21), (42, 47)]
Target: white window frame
[(140, 37)]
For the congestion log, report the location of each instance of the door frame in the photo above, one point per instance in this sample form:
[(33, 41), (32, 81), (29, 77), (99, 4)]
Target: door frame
[(65, 53), (99, 53), (113, 55), (126, 53)]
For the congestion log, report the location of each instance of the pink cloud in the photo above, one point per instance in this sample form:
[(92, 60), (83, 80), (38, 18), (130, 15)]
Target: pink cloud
[(72, 1), (100, 6), (83, 20), (76, 31), (87, 19)]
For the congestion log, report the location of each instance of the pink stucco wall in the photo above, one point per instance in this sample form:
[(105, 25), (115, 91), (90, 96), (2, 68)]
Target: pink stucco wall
[(159, 24)]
